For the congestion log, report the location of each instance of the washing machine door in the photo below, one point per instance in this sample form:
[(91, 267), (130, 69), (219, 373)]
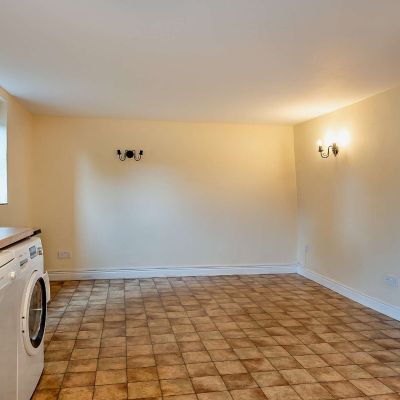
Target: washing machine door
[(34, 313)]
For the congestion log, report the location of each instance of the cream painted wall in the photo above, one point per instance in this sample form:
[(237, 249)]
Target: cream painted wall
[(212, 194), (19, 130), (349, 206), (204, 194)]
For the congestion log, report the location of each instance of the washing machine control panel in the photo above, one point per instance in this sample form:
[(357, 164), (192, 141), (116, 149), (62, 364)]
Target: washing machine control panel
[(28, 254), (22, 260), (33, 252)]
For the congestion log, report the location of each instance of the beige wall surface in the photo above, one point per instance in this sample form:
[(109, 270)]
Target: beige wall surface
[(349, 206), (19, 129), (213, 194), (203, 194)]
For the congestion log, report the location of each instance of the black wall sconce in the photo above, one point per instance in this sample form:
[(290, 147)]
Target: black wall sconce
[(326, 153), (124, 154)]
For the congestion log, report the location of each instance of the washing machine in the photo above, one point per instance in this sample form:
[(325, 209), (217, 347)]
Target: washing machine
[(9, 310), (31, 295)]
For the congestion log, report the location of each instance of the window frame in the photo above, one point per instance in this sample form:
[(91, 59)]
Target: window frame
[(4, 119)]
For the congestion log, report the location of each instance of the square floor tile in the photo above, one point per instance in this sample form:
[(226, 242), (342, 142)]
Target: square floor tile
[(201, 369), (196, 357), (269, 378), (143, 390), (111, 363), (248, 394), (371, 387), (311, 361), (239, 381), (141, 361), (50, 381), (280, 393), (312, 391), (172, 372), (297, 376), (79, 379), (46, 394), (325, 374), (214, 396), (81, 393), (110, 377), (176, 387), (111, 392), (208, 384), (342, 389), (142, 374), (230, 367)]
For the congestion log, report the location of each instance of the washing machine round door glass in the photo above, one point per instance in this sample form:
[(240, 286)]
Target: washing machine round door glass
[(34, 317)]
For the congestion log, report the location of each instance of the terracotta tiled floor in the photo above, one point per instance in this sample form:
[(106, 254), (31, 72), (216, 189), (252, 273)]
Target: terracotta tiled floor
[(216, 338)]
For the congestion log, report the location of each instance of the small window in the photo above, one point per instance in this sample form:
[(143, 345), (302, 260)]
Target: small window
[(3, 151)]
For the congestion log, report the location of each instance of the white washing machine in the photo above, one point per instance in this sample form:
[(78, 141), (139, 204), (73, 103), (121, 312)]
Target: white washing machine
[(30, 295), (9, 325)]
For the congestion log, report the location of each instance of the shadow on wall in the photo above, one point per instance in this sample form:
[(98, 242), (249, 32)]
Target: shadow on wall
[(189, 198)]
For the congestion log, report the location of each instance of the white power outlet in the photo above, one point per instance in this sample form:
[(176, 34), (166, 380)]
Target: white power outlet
[(64, 254), (391, 281)]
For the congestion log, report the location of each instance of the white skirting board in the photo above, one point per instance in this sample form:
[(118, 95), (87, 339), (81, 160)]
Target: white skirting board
[(159, 272), (353, 294)]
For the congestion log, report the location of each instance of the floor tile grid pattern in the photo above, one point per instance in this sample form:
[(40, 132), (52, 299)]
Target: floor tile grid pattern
[(216, 338)]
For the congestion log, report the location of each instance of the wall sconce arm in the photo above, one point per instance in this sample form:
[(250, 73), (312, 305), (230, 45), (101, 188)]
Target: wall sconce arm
[(334, 147), (123, 155)]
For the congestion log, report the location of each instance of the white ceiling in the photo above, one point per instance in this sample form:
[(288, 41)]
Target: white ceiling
[(275, 61)]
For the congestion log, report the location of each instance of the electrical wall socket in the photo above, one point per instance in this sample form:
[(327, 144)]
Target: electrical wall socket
[(391, 281), (64, 254)]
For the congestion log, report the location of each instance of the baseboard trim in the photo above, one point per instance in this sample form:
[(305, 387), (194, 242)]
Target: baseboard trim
[(159, 272), (368, 301)]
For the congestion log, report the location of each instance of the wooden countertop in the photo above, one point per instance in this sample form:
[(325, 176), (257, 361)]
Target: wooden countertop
[(11, 235)]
